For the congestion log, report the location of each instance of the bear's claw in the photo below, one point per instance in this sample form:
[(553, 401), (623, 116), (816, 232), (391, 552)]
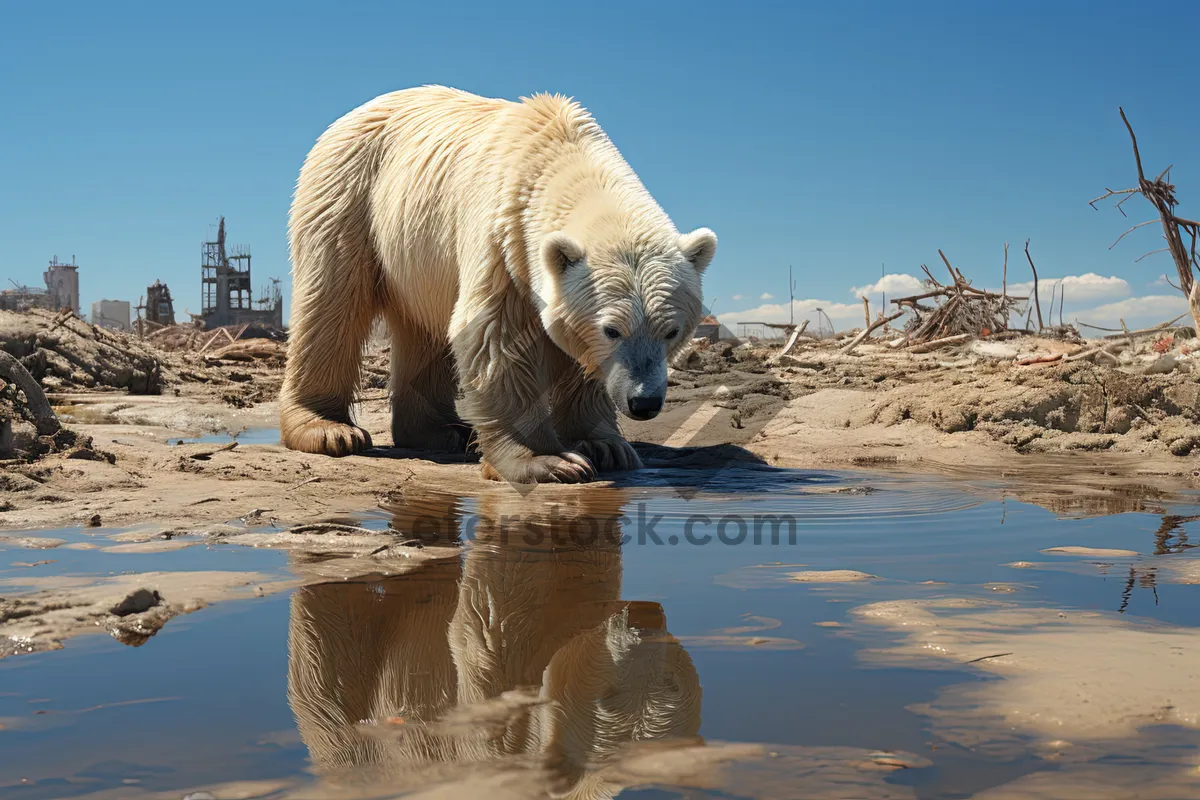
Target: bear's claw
[(610, 454), (328, 438), (566, 467)]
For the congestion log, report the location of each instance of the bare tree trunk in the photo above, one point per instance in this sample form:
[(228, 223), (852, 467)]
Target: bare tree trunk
[(1161, 195), (13, 371), (1036, 302), (1194, 305)]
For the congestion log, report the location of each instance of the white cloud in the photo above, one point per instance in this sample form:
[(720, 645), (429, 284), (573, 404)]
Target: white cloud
[(843, 315), (738, 297), (1085, 288), (1136, 311), (766, 296), (895, 285)]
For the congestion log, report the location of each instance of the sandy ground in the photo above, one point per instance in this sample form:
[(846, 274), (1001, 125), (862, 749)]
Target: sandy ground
[(1059, 431)]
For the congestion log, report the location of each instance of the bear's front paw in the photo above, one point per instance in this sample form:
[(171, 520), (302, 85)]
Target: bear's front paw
[(327, 438), (565, 467), (610, 453)]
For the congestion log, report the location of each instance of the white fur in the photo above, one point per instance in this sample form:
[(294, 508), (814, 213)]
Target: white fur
[(491, 227)]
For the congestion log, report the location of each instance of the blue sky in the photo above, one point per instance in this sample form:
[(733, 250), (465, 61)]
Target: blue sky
[(834, 138)]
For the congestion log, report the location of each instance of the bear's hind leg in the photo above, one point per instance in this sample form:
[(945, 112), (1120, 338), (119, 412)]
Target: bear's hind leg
[(334, 303), (424, 387), (322, 378)]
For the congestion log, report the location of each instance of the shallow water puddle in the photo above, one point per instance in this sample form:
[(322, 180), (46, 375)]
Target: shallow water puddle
[(247, 436), (745, 634)]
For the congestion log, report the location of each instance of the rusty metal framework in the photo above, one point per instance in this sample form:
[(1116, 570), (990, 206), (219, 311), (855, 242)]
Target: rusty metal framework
[(225, 276)]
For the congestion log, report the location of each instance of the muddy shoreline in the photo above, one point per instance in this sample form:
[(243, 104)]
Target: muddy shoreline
[(980, 413)]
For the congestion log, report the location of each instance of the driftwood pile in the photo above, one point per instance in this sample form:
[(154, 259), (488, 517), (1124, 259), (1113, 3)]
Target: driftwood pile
[(201, 340), (251, 350), (948, 314)]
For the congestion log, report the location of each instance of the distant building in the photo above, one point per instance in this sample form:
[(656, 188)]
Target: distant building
[(61, 291), (62, 284), (111, 314), (160, 309), (708, 328)]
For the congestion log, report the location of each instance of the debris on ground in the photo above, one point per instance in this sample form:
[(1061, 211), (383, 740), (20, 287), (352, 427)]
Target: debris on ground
[(23, 404), (952, 314), (242, 364), (62, 352)]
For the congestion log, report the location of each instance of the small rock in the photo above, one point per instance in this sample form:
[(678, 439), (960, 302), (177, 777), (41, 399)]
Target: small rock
[(1182, 446), (94, 521), (137, 602), (1162, 365)]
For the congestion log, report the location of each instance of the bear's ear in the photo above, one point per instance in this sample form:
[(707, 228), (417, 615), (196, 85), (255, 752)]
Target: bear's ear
[(560, 251), (699, 247)]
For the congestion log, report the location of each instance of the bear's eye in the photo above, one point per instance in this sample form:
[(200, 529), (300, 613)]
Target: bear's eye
[(673, 333), (612, 333)]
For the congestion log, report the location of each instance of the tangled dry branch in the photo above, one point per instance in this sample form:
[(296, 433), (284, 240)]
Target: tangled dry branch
[(1161, 194), (957, 308)]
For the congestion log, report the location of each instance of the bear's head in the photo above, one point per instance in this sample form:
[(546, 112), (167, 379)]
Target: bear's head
[(623, 306)]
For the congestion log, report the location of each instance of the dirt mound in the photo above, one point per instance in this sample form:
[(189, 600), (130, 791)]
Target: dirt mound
[(1028, 409), (64, 353)]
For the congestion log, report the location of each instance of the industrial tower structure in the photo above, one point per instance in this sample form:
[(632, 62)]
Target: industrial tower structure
[(226, 291)]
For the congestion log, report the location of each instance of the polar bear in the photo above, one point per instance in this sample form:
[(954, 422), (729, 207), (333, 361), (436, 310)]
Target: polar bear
[(515, 257)]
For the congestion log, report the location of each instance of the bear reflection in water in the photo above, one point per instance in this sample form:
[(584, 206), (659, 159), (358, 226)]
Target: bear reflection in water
[(521, 654)]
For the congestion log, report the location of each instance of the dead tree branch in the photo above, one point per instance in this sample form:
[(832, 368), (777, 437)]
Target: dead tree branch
[(1004, 280), (857, 340), (13, 371), (1131, 230), (1161, 194), (1036, 302)]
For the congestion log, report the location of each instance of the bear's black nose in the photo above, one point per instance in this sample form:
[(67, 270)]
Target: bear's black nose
[(645, 407)]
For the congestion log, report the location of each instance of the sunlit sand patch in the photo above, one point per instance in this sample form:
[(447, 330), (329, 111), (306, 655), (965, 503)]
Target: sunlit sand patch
[(233, 790), (753, 624), (1075, 675), (160, 546), (31, 542), (718, 642), (1095, 552), (1005, 588), (1102, 782), (830, 576), (132, 608), (762, 576), (1171, 568)]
